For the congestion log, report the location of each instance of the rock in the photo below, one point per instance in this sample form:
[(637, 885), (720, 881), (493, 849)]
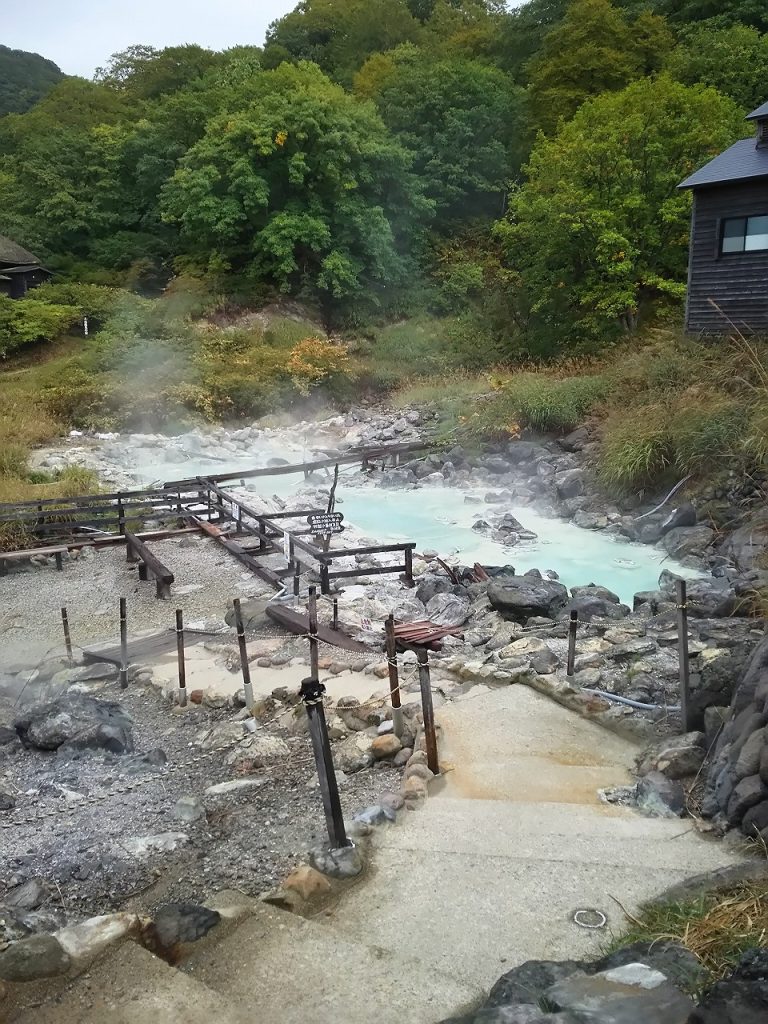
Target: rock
[(755, 821), (741, 998), (223, 734), (401, 757), (234, 786), (39, 956), (419, 771), (448, 610), (685, 515), (102, 670), (376, 814), (594, 590), (28, 895), (307, 882), (660, 796), (188, 809), (85, 941), (633, 994), (385, 746), (544, 662), (354, 753), (590, 607), (576, 441), (679, 964), (432, 584), (746, 546), (520, 597), (392, 801), (254, 615), (746, 794), (144, 846), (528, 982), (409, 609), (342, 863), (677, 757), (76, 722), (177, 923), (569, 484), (684, 541), (590, 520)]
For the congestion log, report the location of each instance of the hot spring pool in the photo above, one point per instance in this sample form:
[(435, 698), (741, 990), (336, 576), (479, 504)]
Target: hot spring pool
[(438, 518)]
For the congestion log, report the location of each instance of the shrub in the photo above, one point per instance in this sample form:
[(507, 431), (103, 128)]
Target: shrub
[(80, 399), (540, 401), (24, 321), (637, 447), (92, 300), (315, 361)]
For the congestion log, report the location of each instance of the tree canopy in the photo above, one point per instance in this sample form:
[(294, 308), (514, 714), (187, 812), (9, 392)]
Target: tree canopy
[(24, 79)]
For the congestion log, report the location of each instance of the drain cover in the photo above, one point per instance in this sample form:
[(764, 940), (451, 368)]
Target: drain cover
[(588, 917)]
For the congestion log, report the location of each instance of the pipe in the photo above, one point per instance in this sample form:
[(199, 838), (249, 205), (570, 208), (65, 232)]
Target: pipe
[(632, 703)]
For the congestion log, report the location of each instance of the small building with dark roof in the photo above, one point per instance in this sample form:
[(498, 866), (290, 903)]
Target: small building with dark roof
[(20, 270), (728, 259)]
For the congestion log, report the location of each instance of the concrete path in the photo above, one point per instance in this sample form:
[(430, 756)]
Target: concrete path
[(515, 839)]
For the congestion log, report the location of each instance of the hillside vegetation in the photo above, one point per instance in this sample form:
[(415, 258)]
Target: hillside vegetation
[(24, 79), (444, 186)]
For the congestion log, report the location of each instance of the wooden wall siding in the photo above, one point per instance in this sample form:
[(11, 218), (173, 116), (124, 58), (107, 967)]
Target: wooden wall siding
[(738, 282)]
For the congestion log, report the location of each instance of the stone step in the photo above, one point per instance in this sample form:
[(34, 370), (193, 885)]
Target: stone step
[(131, 986), (284, 969)]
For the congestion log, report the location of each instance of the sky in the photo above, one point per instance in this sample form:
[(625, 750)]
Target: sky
[(80, 35)]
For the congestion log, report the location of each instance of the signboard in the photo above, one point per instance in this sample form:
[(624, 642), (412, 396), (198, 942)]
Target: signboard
[(234, 510), (323, 524)]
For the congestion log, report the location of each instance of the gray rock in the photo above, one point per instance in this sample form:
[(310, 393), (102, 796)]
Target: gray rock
[(528, 982), (684, 541), (576, 441), (675, 961), (746, 794), (569, 484), (684, 515), (755, 821), (660, 796), (594, 590), (39, 956), (103, 670), (254, 614), (342, 863), (28, 895), (741, 998), (544, 662), (409, 609), (377, 814), (746, 546), (188, 808), (632, 994), (176, 923), (448, 610), (7, 801), (677, 757), (519, 597), (76, 722)]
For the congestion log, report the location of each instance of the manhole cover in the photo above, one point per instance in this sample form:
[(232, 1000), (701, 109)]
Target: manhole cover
[(588, 917)]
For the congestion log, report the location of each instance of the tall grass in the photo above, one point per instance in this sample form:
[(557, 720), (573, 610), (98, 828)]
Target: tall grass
[(540, 401)]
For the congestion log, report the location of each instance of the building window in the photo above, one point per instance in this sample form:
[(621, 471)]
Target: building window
[(744, 234)]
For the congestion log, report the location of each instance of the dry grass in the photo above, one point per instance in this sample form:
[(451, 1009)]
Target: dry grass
[(717, 927)]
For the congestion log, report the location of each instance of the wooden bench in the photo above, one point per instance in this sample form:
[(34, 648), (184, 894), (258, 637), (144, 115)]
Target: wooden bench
[(18, 556), (149, 565)]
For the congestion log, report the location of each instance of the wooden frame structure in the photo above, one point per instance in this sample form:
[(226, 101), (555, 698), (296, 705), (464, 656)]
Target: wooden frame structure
[(149, 565)]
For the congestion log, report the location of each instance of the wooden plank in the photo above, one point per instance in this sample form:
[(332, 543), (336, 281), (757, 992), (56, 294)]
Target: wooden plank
[(298, 623), (381, 570), (375, 549), (85, 499)]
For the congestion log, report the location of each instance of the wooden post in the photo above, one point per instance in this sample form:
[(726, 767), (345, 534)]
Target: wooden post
[(325, 583), (312, 691), (409, 566), (123, 644), (210, 508), (180, 655), (67, 638), (296, 588), (394, 679), (314, 655), (572, 627), (428, 711), (120, 515), (244, 666), (682, 645)]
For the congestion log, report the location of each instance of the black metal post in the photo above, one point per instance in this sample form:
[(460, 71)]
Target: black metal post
[(335, 620), (180, 655), (394, 678), (312, 691), (682, 644), (314, 654), (296, 586), (409, 566), (120, 515), (67, 638), (244, 666), (123, 644), (572, 627), (428, 711)]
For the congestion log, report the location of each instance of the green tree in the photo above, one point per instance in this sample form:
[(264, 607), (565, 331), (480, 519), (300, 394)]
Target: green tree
[(462, 120), (339, 35), (590, 51), (600, 226), (304, 189), (147, 73), (724, 12), (734, 60), (24, 79)]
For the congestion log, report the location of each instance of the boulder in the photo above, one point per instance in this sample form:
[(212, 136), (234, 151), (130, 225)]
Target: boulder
[(687, 541), (518, 598), (593, 590), (176, 923), (343, 863), (684, 515), (39, 956), (76, 722), (746, 546), (741, 998), (448, 610), (85, 941), (576, 441), (590, 607), (385, 746), (307, 882), (632, 994), (409, 609), (660, 796), (746, 794), (254, 615), (677, 757), (569, 484)]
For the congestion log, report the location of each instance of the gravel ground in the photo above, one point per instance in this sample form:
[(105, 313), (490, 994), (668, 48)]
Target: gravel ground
[(248, 839), (206, 578)]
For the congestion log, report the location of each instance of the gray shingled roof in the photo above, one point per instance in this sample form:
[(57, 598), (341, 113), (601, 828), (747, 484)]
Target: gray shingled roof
[(757, 114), (15, 254), (743, 160)]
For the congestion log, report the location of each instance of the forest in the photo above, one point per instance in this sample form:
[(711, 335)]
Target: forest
[(446, 185)]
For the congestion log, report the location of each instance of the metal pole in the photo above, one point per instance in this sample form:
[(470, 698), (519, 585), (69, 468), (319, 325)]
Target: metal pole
[(246, 670), (335, 621), (123, 645), (314, 655), (180, 655), (312, 691), (428, 710), (296, 587), (682, 643), (67, 638), (394, 681), (572, 627)]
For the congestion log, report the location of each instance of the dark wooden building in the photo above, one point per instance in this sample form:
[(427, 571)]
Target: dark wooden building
[(19, 270), (728, 262)]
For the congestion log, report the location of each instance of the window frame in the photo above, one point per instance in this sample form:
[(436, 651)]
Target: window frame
[(722, 224)]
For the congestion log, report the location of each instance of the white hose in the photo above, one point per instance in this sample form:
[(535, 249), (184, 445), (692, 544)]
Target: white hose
[(631, 703)]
